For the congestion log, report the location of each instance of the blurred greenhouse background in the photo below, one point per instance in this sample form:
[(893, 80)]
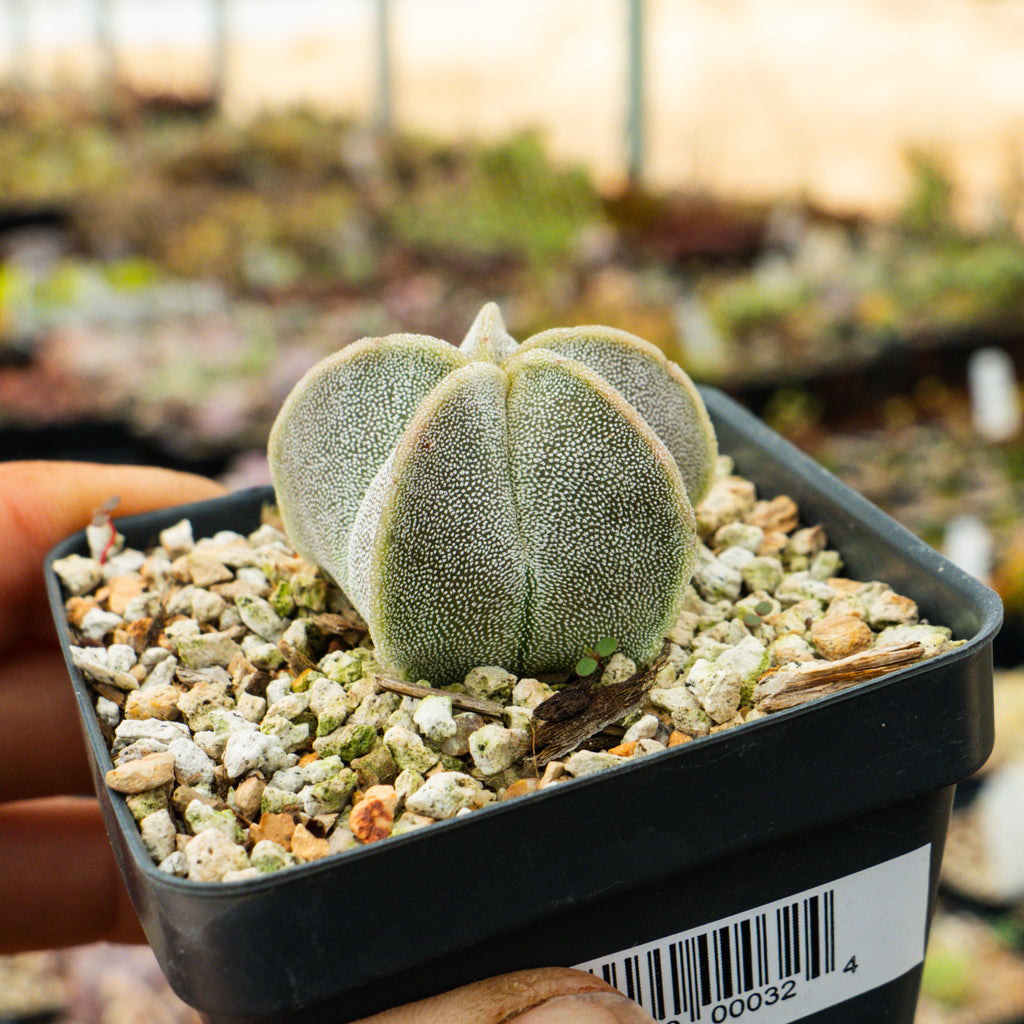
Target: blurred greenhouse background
[(816, 206)]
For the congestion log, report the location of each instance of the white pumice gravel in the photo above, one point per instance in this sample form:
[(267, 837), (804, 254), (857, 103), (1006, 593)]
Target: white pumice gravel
[(248, 738)]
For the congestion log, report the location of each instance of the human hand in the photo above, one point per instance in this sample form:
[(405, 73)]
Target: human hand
[(59, 883), (553, 995)]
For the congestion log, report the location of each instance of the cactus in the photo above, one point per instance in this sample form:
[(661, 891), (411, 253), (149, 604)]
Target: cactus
[(495, 503)]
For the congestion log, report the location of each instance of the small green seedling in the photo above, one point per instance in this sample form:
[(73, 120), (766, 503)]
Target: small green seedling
[(592, 660)]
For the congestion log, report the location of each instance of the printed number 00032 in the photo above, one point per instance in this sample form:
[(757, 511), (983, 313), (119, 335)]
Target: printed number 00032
[(753, 1002)]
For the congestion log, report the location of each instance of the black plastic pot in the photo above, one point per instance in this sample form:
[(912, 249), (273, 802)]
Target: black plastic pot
[(785, 870)]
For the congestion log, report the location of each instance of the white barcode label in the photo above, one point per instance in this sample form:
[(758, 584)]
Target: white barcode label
[(782, 961)]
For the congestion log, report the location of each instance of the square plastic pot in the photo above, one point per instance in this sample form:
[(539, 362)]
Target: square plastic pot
[(784, 870)]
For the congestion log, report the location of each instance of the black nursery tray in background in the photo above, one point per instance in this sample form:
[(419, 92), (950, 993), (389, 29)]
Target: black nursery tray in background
[(784, 870)]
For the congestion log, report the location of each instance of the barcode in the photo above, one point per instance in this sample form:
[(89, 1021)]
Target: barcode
[(756, 960), (783, 961)]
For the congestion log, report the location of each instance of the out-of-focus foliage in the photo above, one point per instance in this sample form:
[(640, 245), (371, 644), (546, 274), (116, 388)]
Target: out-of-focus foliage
[(497, 203), (290, 200)]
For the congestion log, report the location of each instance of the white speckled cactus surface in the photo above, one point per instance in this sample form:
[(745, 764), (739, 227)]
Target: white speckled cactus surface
[(495, 503)]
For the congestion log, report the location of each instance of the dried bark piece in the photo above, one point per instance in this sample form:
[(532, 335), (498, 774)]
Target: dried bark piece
[(789, 685), (553, 740)]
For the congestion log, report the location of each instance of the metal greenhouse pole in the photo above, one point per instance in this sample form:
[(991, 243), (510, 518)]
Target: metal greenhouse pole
[(103, 33), (382, 110), (219, 74), (635, 141)]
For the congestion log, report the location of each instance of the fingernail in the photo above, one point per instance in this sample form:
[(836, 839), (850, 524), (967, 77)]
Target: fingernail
[(585, 1008)]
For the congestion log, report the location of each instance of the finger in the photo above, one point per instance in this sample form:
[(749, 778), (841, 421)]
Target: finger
[(59, 885), (41, 503), (40, 733), (551, 995)]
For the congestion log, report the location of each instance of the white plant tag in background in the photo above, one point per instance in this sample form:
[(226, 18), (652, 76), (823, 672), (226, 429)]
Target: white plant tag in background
[(782, 961), (995, 400), (968, 544)]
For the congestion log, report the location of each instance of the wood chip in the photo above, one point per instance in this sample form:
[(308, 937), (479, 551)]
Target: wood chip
[(553, 740), (796, 683), (350, 627), (297, 661)]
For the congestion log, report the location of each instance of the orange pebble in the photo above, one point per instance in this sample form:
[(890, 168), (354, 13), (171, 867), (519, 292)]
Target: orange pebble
[(624, 749), (678, 737), (520, 788), (307, 846), (372, 819)]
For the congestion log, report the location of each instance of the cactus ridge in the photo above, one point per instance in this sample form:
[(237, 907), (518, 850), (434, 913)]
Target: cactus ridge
[(657, 388), (513, 506), (336, 428)]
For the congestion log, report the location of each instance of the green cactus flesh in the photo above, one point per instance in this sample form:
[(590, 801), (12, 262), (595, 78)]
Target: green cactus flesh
[(495, 504), (658, 389)]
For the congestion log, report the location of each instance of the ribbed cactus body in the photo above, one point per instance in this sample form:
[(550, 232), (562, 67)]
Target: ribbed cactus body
[(494, 504)]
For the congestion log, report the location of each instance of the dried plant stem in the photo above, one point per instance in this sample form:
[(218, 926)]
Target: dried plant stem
[(487, 708)]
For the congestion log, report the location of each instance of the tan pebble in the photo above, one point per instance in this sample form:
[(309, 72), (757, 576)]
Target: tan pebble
[(205, 571), (837, 636), (843, 585), (160, 702), (624, 749), (307, 846), (892, 608), (774, 542), (728, 500), (184, 795), (553, 771), (147, 772), (780, 513), (736, 719), (78, 607), (248, 796), (678, 737), (122, 590), (520, 787), (179, 570), (371, 819), (483, 796), (808, 541), (152, 569), (277, 827), (139, 671)]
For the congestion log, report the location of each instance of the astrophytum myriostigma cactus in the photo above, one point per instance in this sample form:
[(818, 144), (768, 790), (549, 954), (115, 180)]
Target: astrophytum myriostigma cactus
[(495, 503)]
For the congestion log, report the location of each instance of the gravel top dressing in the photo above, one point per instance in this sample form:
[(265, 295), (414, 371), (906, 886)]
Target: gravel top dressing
[(252, 729)]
